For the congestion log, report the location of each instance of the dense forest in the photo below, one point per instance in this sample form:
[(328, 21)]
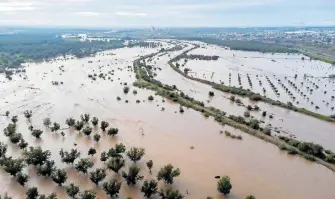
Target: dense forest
[(246, 45), (18, 48)]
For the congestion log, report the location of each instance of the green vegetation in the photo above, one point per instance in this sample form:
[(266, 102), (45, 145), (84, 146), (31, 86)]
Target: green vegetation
[(224, 185), (115, 164), (59, 176), (69, 157), (247, 45), (95, 121), (112, 187), (88, 194), (133, 175), (247, 93), (149, 164), (19, 48), (167, 173), (85, 118), (117, 151), (36, 156), (112, 131), (97, 176), (310, 149), (170, 194), (72, 190), (149, 188), (251, 127), (83, 165), (104, 125), (135, 154)]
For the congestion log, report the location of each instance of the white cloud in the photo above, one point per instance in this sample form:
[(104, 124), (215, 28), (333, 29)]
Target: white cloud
[(12, 6), (132, 14), (228, 4), (89, 14)]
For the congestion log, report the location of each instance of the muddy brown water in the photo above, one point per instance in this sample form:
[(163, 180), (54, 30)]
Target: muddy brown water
[(254, 166), (288, 122), (275, 67)]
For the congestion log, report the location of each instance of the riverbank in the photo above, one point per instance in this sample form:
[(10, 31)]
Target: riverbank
[(144, 81)]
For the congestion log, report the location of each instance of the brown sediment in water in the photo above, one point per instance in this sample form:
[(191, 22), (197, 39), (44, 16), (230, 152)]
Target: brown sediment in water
[(255, 167)]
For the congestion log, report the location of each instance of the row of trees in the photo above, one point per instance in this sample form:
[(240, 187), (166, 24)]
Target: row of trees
[(113, 159), (19, 48)]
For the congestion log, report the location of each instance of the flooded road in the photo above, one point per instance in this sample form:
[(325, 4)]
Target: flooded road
[(254, 166)]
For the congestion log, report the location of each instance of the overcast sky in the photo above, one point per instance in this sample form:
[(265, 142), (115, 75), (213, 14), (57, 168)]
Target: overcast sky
[(167, 13)]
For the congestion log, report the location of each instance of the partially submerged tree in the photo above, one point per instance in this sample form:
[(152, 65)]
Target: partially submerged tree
[(112, 131), (96, 137), (28, 114), (46, 169), (103, 156), (88, 194), (87, 131), (70, 122), (22, 178), (170, 194), (46, 122), (59, 176), (97, 176), (15, 138), (23, 144), (14, 119), (69, 157), (37, 133), (83, 165), (149, 188), (135, 154), (85, 118), (115, 164), (10, 129), (133, 175), (92, 151), (79, 125), (32, 193), (72, 190), (13, 166), (36, 156), (224, 185), (55, 127), (51, 196), (95, 121), (167, 173), (112, 187), (3, 149), (117, 151), (126, 89), (104, 125), (150, 163)]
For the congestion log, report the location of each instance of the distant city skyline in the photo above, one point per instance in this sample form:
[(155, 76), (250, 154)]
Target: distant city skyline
[(167, 13)]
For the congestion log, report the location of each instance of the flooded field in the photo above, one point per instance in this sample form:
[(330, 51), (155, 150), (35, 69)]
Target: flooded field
[(188, 141), (284, 121), (284, 77)]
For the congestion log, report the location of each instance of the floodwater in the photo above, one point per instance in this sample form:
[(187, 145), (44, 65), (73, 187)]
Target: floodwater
[(285, 121), (313, 92), (254, 166)]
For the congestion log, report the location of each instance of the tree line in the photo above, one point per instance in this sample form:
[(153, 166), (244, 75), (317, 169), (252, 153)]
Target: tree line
[(19, 48)]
